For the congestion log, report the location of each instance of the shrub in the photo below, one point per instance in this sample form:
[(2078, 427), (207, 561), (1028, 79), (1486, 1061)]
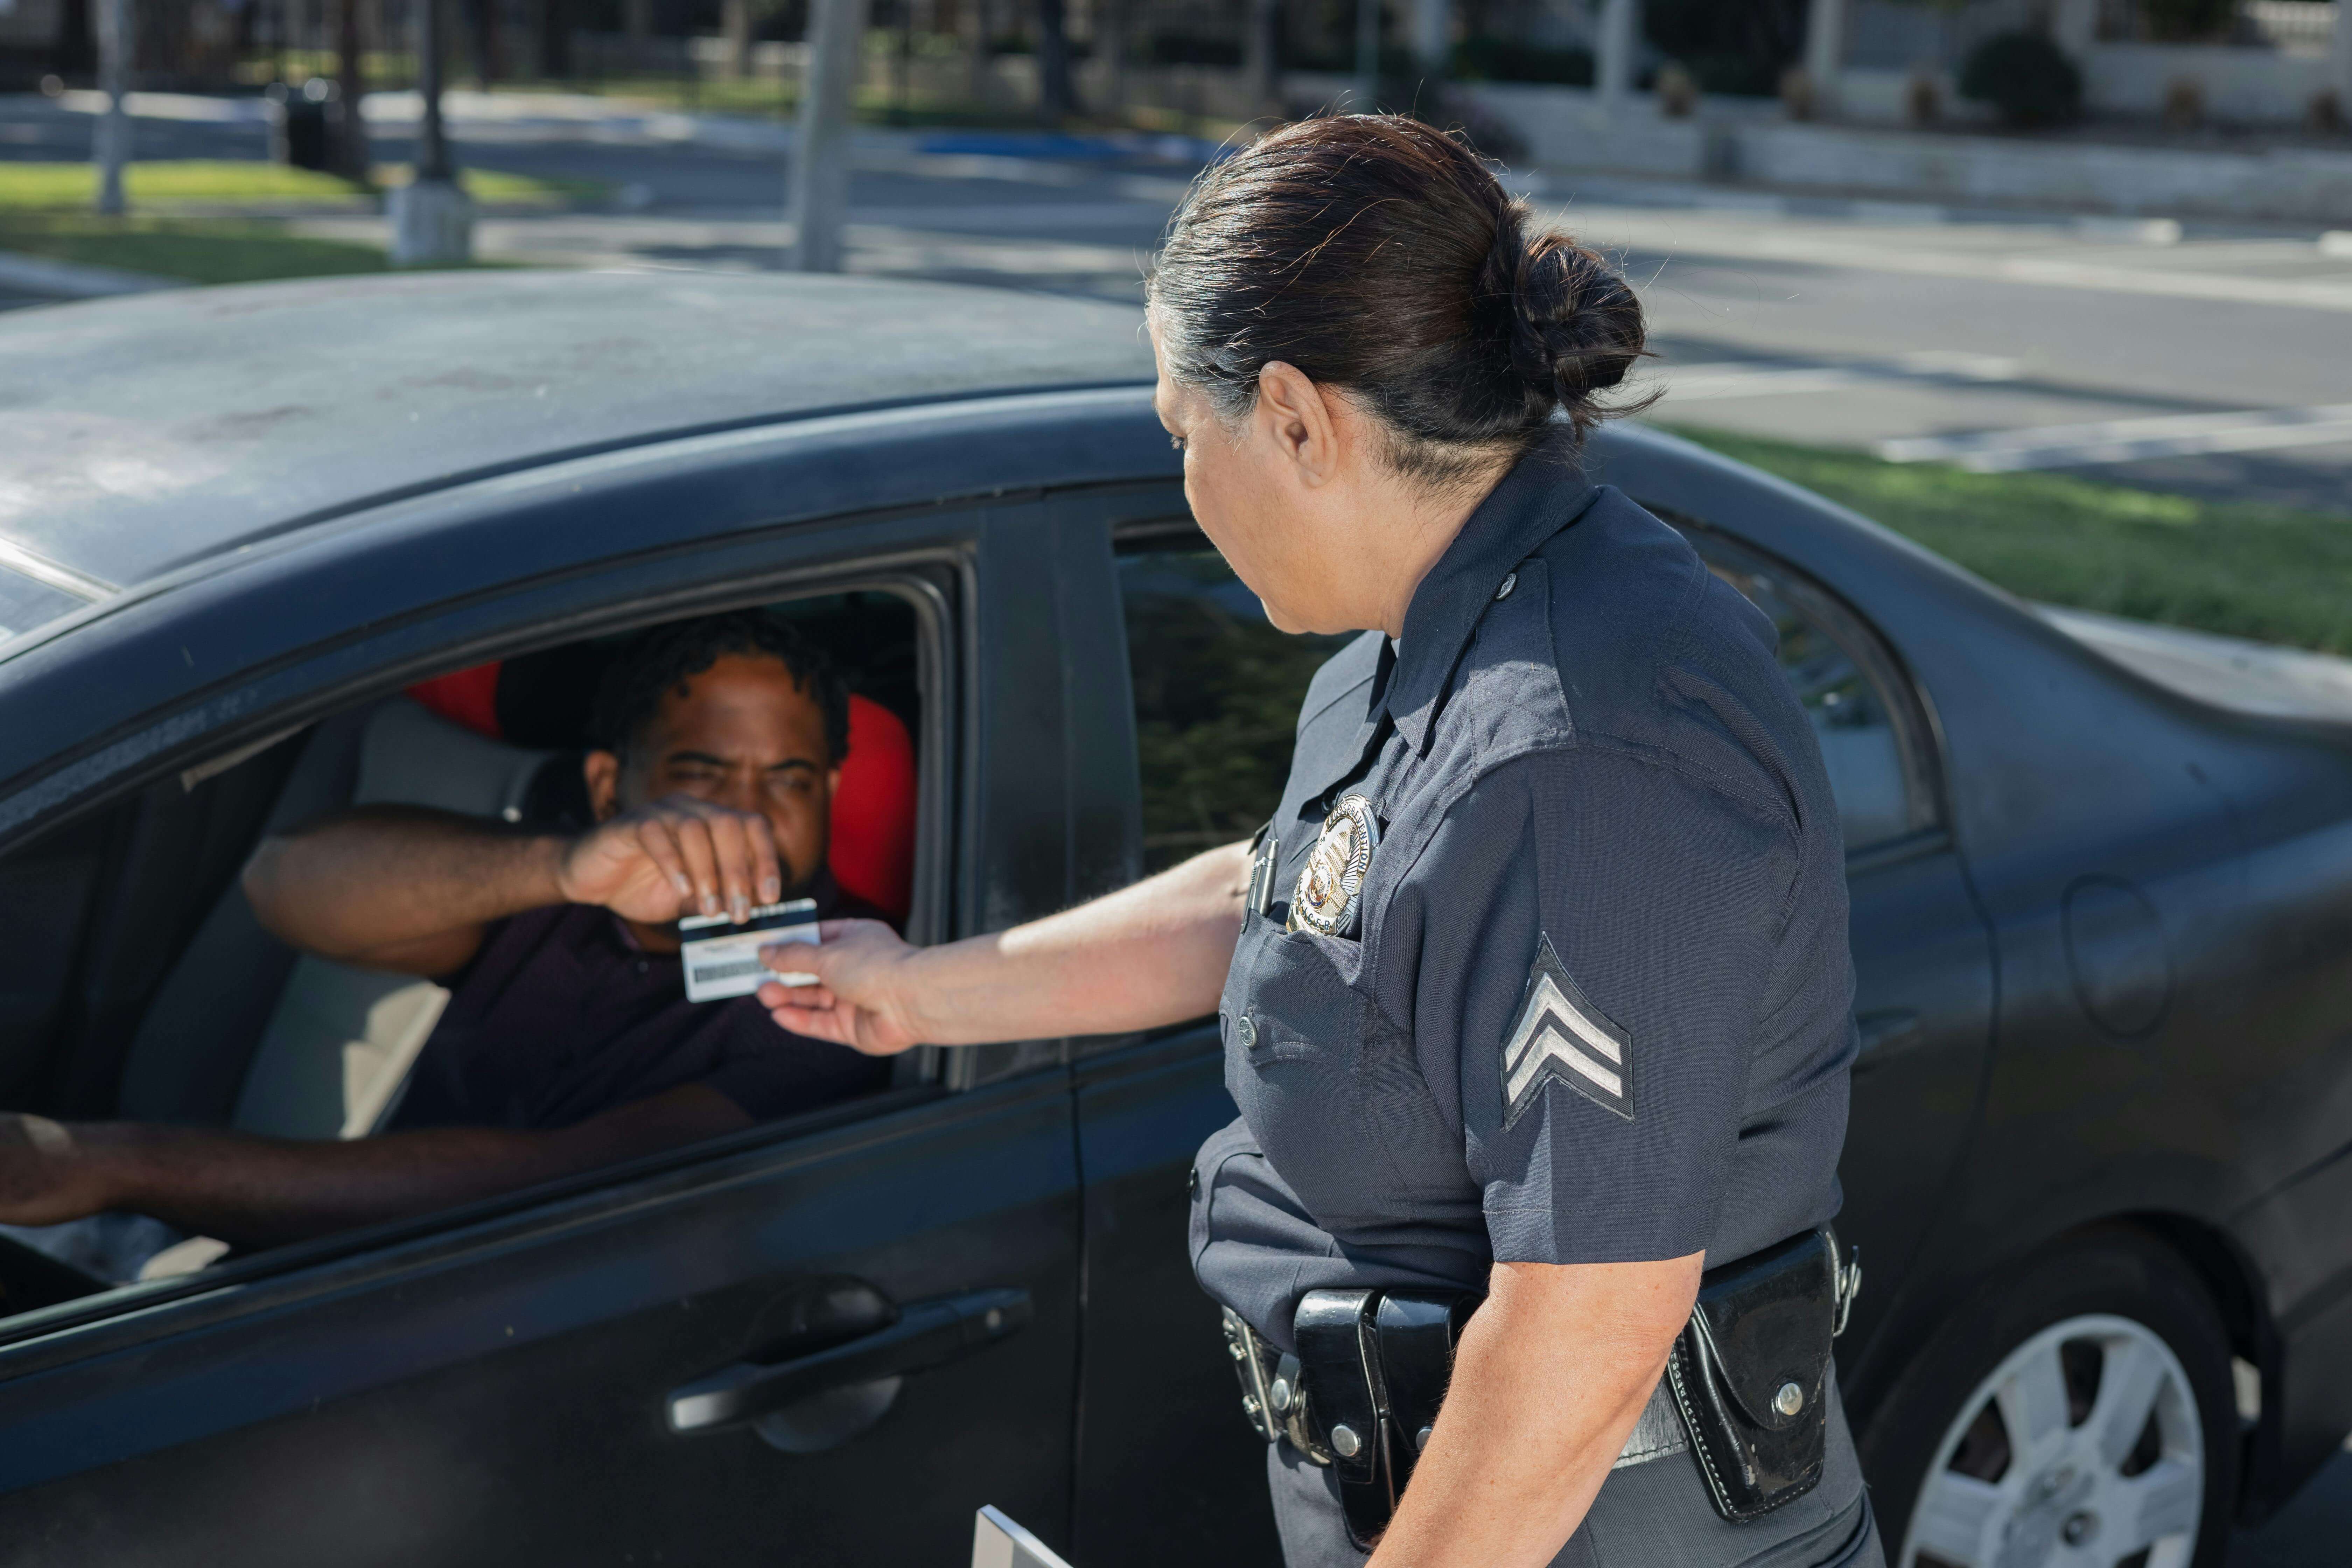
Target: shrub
[(2025, 77), (1192, 49), (1737, 48), (1485, 58), (2187, 21)]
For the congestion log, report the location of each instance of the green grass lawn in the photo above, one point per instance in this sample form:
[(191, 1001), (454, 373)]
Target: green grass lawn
[(197, 183), (194, 250), (176, 227), (2277, 574)]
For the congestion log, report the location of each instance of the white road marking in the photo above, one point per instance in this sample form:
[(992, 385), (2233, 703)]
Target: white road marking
[(1989, 254), (2128, 440), (1733, 378)]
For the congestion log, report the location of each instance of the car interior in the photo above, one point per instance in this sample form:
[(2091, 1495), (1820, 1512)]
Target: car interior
[(140, 986)]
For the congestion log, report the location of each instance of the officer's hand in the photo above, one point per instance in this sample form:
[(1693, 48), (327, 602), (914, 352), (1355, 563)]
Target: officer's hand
[(41, 1181), (864, 996), (679, 855)]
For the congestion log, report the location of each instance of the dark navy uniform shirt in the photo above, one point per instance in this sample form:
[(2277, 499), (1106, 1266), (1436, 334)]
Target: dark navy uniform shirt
[(1596, 1003), (561, 1015)]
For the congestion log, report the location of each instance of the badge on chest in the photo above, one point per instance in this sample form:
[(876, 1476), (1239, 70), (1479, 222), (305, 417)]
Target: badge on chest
[(1330, 891)]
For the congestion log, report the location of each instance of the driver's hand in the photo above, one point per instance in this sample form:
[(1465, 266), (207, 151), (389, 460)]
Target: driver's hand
[(864, 994), (679, 855), (41, 1181)]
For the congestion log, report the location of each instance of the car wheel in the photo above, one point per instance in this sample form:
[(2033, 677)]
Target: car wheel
[(2080, 1414)]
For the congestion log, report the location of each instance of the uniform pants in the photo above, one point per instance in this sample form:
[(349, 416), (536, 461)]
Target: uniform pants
[(1653, 1515)]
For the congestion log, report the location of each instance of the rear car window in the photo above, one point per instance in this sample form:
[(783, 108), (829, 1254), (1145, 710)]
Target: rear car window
[(1217, 691)]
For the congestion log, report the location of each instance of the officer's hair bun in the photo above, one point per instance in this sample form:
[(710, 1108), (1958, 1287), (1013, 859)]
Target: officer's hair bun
[(1380, 255), (1569, 318)]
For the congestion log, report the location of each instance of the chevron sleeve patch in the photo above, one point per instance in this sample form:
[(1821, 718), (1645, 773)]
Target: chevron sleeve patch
[(1559, 1035)]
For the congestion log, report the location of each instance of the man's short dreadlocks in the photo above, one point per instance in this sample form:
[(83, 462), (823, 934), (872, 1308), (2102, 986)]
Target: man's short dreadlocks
[(665, 658)]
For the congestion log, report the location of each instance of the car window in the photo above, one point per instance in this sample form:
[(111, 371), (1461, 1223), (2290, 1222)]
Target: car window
[(1851, 691), (175, 1004), (1217, 690)]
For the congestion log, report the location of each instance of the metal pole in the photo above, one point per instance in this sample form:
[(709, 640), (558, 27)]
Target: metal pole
[(820, 190), (1368, 55), (112, 144)]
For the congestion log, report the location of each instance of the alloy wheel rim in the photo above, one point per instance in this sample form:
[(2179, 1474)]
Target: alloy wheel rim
[(2083, 1449)]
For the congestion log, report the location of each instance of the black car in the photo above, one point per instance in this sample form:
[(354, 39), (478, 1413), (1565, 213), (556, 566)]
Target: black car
[(2097, 1165)]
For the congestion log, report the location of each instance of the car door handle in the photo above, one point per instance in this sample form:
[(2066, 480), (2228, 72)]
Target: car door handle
[(927, 1335)]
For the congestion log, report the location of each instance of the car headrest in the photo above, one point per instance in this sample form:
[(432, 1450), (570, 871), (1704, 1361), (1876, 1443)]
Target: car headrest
[(873, 850)]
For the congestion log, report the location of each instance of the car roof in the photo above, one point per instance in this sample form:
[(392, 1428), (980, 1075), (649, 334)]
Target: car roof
[(139, 436)]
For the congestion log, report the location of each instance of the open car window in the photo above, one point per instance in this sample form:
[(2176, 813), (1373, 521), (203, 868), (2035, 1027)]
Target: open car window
[(157, 996)]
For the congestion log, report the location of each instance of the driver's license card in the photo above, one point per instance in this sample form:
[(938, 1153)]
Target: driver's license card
[(726, 962)]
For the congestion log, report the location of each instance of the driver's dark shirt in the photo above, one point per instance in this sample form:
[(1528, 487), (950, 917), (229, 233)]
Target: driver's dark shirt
[(561, 1015)]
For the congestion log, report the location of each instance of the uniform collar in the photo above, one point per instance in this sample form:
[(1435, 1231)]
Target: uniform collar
[(1541, 495)]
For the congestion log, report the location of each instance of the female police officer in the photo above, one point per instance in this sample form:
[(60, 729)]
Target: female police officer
[(1536, 983)]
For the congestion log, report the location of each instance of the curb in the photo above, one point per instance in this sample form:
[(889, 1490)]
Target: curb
[(74, 280)]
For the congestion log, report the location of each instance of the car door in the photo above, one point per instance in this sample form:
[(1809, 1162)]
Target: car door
[(1199, 699), (1214, 695), (827, 1339)]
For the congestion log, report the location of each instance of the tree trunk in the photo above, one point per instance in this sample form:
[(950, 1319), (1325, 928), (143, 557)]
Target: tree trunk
[(432, 140), (820, 190), (735, 24), (1111, 43), (75, 49), (112, 143), (1260, 56), (1433, 38), (637, 21), (1057, 95), (350, 150), (482, 34), (982, 26), (551, 40), (1613, 67), (1825, 50)]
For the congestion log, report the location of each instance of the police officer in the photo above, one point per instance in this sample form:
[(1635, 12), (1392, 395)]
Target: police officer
[(1535, 990)]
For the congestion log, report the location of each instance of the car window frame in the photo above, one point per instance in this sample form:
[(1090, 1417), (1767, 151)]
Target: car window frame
[(936, 582), (1910, 714)]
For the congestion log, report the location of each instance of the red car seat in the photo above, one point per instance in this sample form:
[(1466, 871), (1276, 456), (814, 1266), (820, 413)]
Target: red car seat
[(873, 851)]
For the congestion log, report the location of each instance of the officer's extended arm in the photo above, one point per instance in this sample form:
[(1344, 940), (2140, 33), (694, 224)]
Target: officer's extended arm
[(1153, 954), (1552, 1373)]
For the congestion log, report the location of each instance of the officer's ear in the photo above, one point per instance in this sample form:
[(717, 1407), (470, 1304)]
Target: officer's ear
[(1297, 418)]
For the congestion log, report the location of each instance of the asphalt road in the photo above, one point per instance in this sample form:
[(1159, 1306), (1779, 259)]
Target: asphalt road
[(2217, 361)]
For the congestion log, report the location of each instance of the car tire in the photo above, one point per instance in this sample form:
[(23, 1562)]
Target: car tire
[(2113, 1314)]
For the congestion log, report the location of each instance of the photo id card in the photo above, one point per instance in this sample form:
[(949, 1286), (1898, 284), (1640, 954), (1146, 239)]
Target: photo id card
[(725, 962)]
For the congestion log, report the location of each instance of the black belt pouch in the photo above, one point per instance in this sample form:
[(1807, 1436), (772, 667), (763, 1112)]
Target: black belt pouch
[(1750, 1373)]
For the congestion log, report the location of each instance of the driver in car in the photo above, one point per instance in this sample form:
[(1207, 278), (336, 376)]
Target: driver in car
[(567, 1042)]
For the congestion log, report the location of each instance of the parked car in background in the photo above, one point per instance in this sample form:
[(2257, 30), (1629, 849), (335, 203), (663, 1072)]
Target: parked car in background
[(2103, 926)]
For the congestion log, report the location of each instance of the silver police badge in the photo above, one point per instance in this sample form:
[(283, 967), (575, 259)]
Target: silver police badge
[(1332, 884)]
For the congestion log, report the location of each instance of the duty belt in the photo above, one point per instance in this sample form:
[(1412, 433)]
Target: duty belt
[(1361, 1395)]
